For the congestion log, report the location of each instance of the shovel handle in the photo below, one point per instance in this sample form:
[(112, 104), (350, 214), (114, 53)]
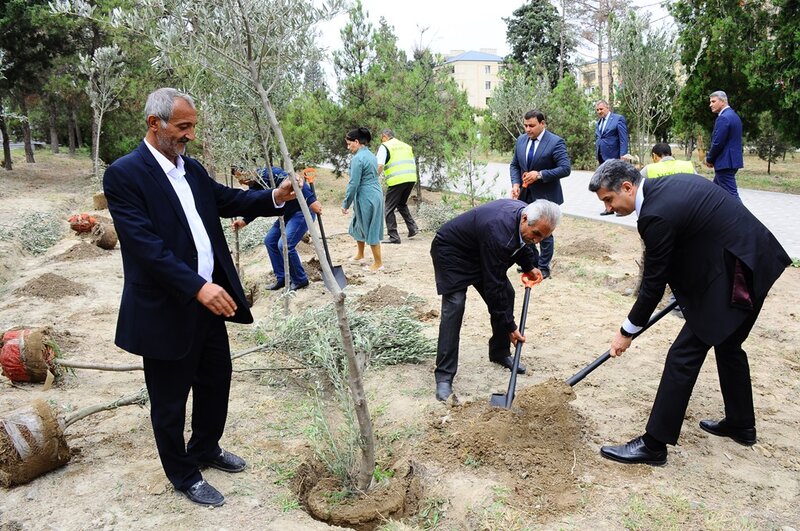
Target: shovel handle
[(512, 382), (583, 373), (321, 228)]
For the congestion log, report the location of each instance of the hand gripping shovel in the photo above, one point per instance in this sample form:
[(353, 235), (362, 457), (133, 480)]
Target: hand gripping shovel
[(583, 373), (338, 272), (505, 400)]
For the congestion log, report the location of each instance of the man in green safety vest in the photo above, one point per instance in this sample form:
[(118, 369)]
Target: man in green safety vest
[(665, 164), (396, 163)]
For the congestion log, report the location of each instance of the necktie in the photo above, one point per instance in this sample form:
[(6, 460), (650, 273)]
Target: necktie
[(602, 125), (531, 151)]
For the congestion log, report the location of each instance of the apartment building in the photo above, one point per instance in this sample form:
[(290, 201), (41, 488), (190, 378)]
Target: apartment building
[(476, 72)]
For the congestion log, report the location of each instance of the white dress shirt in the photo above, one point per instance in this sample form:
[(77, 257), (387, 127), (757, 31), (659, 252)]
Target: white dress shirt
[(176, 175)]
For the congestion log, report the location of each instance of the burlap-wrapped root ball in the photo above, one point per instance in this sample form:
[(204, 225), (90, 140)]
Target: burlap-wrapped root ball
[(31, 443), (27, 354), (99, 201), (104, 236)]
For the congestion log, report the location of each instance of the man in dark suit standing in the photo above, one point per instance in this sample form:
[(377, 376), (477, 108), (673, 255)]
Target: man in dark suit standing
[(180, 287), (725, 153), (476, 249), (610, 136), (720, 262), (540, 162)]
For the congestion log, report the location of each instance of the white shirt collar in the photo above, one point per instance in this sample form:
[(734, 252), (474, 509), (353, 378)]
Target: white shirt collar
[(170, 169), (539, 138), (639, 197)]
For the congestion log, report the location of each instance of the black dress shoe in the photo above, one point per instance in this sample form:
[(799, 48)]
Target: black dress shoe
[(301, 285), (635, 452), (227, 462), (390, 241), (202, 493), (745, 436), (443, 391), (508, 363), (606, 212), (545, 273), (277, 285), (412, 234)]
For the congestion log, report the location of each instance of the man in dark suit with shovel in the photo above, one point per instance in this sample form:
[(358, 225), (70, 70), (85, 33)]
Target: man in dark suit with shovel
[(720, 262), (476, 249)]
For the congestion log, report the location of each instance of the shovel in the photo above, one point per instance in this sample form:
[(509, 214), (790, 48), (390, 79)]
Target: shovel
[(505, 400), (338, 272), (583, 373)]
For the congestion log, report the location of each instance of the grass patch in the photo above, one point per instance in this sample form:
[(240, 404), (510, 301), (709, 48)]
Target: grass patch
[(675, 513)]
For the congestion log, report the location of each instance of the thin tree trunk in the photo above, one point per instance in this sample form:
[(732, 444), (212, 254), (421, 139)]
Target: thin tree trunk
[(53, 128), (600, 62), (355, 362), (26, 131), (96, 144), (94, 134), (7, 164), (71, 126), (78, 136)]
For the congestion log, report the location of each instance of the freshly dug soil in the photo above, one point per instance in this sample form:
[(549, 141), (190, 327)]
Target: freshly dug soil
[(536, 445), (80, 251), (53, 287)]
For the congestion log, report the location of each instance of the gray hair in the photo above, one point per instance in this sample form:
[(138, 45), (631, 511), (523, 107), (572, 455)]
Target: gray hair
[(604, 102), (611, 174), (161, 102), (720, 95), (388, 132), (544, 210)]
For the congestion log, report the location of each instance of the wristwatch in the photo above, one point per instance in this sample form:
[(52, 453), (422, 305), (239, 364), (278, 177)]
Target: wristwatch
[(624, 332)]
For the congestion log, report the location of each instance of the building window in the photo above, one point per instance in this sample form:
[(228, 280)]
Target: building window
[(487, 69), (487, 85)]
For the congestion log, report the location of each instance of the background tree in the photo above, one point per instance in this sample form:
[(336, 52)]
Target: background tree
[(718, 40), (770, 143), (534, 34), (516, 94), (105, 71), (570, 115), (647, 58)]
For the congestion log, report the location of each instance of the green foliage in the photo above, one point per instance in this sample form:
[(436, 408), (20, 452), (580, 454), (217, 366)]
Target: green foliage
[(718, 40), (534, 35), (36, 232), (519, 91), (646, 56), (433, 215), (251, 236), (571, 116), (770, 144)]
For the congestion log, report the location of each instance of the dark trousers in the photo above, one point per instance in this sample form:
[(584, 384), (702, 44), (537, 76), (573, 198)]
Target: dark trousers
[(726, 179), (682, 366), (546, 250), (452, 315), (206, 371), (397, 199)]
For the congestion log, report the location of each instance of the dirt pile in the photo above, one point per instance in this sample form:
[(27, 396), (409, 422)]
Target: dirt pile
[(535, 446), (53, 287), (81, 251), (588, 248)]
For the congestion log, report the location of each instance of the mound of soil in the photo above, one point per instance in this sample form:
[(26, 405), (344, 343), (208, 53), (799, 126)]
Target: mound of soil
[(587, 247), (80, 251), (535, 446), (385, 296), (51, 286)]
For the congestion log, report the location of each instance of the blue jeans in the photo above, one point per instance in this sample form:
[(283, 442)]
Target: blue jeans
[(295, 229)]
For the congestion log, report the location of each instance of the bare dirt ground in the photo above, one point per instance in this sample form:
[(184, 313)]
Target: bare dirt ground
[(534, 467)]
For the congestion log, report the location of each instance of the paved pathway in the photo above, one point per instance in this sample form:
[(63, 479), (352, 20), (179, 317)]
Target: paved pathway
[(779, 212)]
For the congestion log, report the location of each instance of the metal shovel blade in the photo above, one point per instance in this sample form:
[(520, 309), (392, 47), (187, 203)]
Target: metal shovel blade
[(505, 400)]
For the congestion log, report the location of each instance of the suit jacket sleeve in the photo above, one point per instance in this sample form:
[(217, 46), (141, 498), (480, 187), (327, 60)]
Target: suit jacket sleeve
[(659, 240), (494, 263), (561, 160), (622, 130), (129, 209), (720, 131), (516, 168)]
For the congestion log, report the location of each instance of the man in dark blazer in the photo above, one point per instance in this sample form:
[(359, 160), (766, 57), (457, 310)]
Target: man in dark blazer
[(540, 162), (610, 136), (720, 262), (180, 287), (725, 153), (476, 249)]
